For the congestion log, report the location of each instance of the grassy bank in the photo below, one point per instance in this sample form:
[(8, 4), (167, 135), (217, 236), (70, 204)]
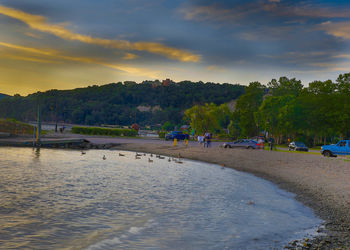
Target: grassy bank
[(104, 131), (15, 127)]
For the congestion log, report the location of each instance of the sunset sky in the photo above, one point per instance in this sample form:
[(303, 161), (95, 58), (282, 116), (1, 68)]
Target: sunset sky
[(69, 44)]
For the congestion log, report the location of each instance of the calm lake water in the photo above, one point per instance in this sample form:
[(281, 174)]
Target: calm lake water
[(54, 199)]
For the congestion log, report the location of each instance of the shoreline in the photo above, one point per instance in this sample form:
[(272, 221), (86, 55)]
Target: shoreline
[(318, 182), (314, 180)]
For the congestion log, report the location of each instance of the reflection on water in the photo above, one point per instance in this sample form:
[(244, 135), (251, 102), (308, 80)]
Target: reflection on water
[(53, 199), (36, 153)]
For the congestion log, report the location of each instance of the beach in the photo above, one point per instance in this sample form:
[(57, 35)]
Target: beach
[(318, 182)]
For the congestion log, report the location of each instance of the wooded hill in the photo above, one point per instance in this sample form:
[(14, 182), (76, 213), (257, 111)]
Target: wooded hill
[(147, 103)]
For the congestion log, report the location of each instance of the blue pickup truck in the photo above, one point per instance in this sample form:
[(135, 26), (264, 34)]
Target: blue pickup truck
[(176, 134), (341, 148)]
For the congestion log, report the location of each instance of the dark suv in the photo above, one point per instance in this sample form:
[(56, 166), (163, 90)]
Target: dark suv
[(176, 134)]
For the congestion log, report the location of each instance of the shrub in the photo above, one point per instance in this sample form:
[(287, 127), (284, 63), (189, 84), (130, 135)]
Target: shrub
[(104, 131), (162, 134)]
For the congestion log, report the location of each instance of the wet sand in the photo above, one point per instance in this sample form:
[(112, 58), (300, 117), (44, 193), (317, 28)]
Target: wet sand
[(319, 182)]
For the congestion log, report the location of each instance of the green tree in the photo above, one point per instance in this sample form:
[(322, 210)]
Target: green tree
[(167, 126), (208, 117), (246, 106)]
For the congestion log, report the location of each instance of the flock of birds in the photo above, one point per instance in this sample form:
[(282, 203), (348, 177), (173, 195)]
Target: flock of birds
[(139, 155)]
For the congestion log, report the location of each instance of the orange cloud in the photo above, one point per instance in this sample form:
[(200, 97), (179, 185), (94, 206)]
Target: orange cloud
[(130, 56), (40, 23), (338, 29), (56, 55)]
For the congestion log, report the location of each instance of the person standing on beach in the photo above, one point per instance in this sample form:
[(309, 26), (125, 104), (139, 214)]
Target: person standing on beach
[(261, 143), (271, 141), (200, 139), (207, 139)]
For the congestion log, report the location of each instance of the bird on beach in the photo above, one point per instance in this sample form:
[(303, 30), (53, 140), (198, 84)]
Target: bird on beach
[(137, 157), (144, 154), (104, 157), (179, 156), (151, 155), (169, 160), (121, 154), (83, 153), (149, 160)]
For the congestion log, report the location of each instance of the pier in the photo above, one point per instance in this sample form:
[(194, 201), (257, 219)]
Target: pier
[(45, 143)]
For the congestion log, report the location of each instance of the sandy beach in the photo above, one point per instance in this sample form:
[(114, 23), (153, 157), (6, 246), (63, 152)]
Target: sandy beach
[(318, 182)]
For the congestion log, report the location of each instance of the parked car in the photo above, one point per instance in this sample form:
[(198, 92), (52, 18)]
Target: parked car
[(176, 134), (341, 148), (297, 146), (244, 143)]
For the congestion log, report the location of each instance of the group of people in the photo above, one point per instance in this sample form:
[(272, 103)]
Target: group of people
[(205, 139)]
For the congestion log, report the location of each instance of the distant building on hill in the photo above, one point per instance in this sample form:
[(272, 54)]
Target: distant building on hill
[(167, 82)]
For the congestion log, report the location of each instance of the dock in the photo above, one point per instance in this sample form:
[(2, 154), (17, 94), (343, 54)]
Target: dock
[(45, 143)]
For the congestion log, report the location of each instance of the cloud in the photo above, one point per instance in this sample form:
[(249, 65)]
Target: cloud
[(130, 56), (274, 8), (51, 56), (333, 67), (216, 13), (40, 23), (343, 56), (36, 51), (309, 10), (26, 58), (216, 68), (337, 29)]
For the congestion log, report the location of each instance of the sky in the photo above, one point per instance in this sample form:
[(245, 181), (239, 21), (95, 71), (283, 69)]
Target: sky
[(68, 44)]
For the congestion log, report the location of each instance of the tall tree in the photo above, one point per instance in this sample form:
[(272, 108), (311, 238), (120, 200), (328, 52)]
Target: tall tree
[(247, 105)]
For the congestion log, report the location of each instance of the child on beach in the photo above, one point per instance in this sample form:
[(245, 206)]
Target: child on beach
[(200, 140)]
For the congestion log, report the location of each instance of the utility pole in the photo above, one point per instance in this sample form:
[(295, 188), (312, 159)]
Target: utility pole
[(38, 130)]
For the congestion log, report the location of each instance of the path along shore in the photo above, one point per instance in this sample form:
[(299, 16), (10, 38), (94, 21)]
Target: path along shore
[(319, 182)]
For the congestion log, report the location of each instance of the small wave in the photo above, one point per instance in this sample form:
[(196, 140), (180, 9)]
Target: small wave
[(135, 230), (104, 244)]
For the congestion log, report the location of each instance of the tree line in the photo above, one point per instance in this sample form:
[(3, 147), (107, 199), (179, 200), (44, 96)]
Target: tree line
[(316, 114), (117, 103)]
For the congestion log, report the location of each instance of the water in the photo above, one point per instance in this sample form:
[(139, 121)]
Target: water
[(55, 199)]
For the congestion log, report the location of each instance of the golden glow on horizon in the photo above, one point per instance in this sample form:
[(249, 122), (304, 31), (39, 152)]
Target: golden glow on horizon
[(56, 55), (40, 23), (31, 79)]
